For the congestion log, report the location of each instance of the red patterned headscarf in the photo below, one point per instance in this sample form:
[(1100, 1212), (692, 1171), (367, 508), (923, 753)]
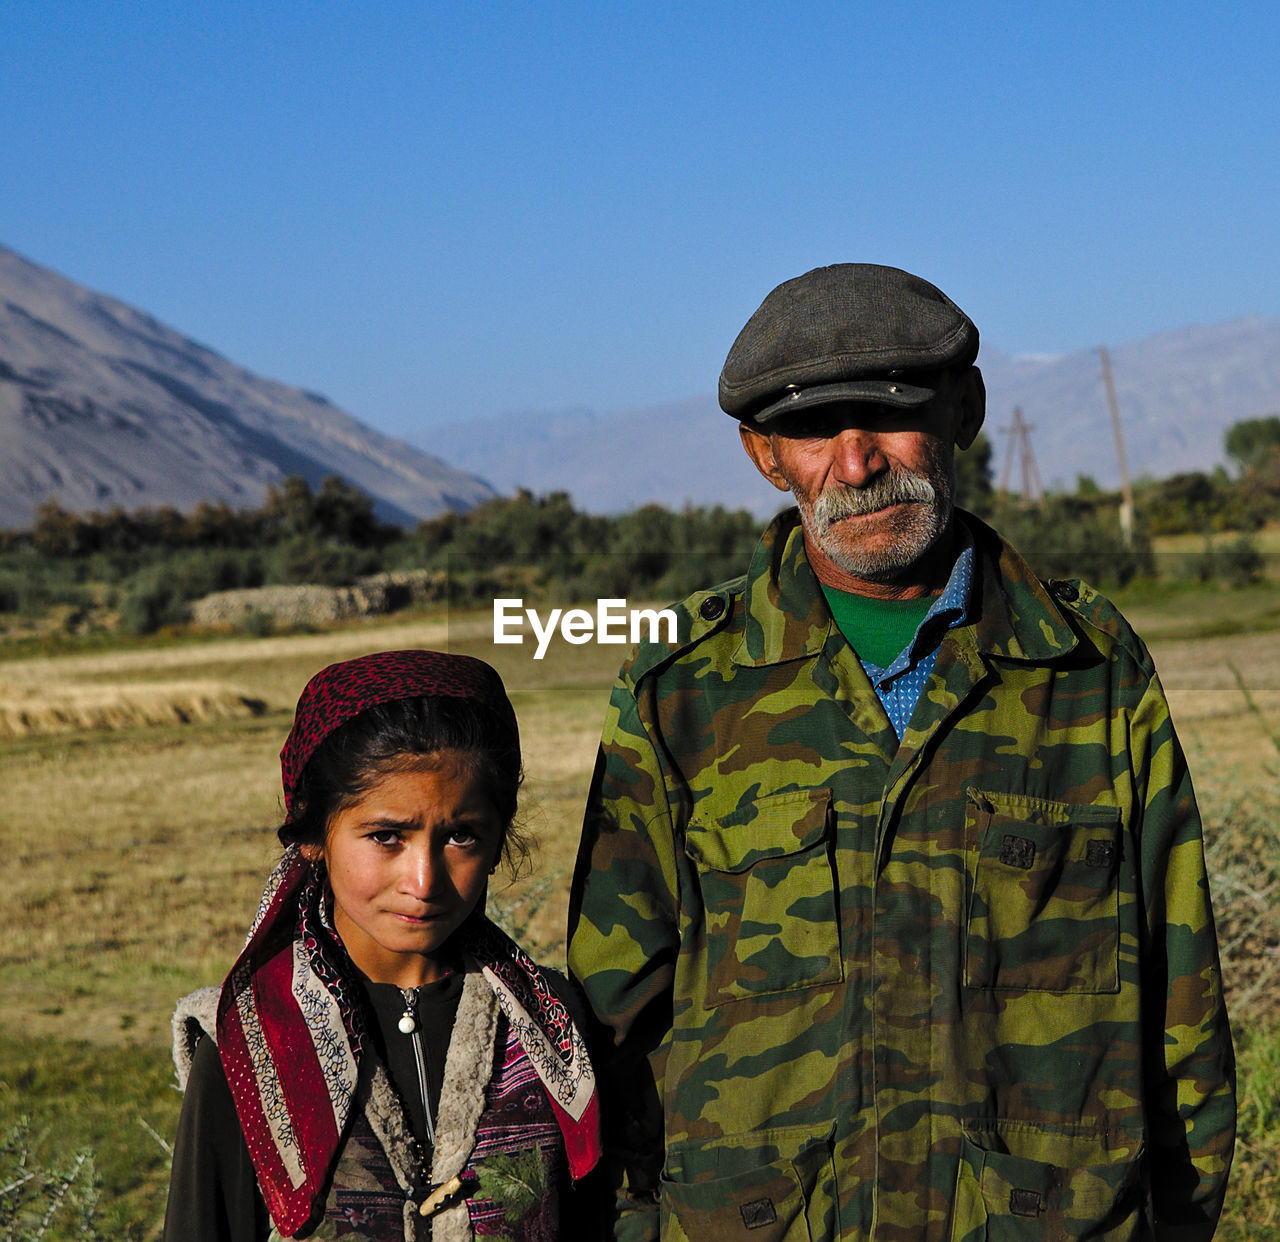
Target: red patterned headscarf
[(337, 693)]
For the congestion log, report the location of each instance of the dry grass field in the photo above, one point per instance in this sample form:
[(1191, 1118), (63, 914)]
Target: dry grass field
[(138, 792), (138, 846)]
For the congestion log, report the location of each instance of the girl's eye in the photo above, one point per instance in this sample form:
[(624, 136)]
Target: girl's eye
[(385, 836), (463, 836)]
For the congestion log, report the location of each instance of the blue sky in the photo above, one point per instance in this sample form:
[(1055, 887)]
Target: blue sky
[(441, 211)]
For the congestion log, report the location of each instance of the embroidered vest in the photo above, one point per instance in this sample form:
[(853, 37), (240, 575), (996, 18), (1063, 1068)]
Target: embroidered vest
[(496, 1131)]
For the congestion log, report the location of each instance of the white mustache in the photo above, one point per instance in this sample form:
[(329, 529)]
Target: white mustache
[(899, 487)]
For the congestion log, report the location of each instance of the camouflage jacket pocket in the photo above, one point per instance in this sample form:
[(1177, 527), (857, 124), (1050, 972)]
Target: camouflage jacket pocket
[(1019, 1182), (788, 1199), (769, 896), (1044, 907)]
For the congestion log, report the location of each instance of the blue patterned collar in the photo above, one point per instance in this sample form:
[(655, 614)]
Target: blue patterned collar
[(950, 609)]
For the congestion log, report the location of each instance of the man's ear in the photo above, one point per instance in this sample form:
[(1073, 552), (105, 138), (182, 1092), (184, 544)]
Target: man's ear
[(972, 398), (760, 449)]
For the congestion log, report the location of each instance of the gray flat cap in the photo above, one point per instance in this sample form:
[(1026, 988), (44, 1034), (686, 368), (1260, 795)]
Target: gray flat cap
[(849, 332)]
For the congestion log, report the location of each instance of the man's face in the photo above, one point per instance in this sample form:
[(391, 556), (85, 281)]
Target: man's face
[(875, 484)]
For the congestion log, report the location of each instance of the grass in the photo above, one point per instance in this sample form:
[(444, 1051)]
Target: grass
[(1266, 540), (1253, 1205), (136, 855), (66, 1097), (1166, 610)]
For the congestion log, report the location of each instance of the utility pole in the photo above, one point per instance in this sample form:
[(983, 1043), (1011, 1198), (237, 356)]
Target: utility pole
[(1126, 492), (1020, 446)]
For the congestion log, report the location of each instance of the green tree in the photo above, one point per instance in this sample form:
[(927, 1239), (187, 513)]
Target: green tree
[(341, 511), (1180, 504), (289, 510), (216, 525), (974, 489), (1251, 442), (1068, 538), (58, 532)]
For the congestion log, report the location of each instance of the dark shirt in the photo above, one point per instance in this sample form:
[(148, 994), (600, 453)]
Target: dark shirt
[(213, 1190)]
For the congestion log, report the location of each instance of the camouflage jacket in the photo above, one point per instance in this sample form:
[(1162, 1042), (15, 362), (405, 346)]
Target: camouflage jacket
[(962, 986)]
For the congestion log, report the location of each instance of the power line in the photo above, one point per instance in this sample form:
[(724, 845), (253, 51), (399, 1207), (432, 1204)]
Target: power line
[(1126, 493), (1020, 447)]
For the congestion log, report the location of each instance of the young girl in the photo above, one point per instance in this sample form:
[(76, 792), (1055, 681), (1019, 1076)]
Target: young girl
[(382, 1062)]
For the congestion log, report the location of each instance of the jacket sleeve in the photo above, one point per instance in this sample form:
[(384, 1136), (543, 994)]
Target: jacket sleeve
[(213, 1191), (1188, 1058), (623, 940)]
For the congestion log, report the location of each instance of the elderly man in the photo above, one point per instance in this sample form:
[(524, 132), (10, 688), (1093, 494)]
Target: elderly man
[(891, 899)]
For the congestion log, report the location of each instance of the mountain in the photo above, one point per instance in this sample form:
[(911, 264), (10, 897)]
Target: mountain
[(682, 453), (1178, 392), (102, 406)]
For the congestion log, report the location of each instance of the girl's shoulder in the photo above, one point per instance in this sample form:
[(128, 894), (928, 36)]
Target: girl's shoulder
[(194, 1018)]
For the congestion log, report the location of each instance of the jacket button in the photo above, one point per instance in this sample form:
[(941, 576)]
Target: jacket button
[(712, 607), (1067, 592)]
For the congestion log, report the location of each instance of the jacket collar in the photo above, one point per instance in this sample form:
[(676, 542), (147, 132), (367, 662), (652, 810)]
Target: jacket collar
[(1014, 617)]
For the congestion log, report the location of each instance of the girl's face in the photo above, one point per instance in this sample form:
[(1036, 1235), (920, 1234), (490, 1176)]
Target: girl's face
[(408, 863)]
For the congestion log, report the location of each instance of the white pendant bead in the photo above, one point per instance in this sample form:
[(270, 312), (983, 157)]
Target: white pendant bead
[(407, 1025)]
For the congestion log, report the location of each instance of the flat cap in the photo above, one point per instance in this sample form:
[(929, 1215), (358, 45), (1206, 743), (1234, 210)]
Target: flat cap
[(848, 332)]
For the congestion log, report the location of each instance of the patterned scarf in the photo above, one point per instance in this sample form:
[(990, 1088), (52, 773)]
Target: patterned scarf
[(291, 1037)]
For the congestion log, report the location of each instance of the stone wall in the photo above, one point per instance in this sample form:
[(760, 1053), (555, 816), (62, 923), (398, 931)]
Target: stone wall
[(287, 607)]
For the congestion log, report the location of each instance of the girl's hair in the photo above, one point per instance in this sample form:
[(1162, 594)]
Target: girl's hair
[(388, 737)]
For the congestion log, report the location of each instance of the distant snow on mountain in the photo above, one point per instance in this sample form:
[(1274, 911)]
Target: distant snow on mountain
[(1178, 392), (102, 406)]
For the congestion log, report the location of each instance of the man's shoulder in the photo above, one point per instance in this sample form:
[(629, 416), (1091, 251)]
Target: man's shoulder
[(1100, 619), (1086, 609), (703, 617)]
